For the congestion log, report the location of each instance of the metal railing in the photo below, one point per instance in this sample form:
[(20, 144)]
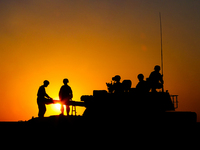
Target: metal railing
[(174, 99)]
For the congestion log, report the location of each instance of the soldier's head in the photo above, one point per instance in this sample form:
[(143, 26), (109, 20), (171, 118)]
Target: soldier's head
[(116, 78), (46, 83), (65, 81), (140, 77), (157, 68)]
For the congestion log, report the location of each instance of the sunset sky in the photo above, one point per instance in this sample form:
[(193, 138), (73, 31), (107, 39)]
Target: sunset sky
[(89, 42)]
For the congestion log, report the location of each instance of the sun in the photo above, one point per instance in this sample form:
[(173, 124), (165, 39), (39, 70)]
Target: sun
[(57, 106)]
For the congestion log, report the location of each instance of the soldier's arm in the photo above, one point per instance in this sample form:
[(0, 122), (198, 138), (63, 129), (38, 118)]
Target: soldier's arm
[(71, 92), (45, 94), (161, 79)]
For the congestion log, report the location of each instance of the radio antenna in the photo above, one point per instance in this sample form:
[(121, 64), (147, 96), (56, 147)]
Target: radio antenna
[(161, 48)]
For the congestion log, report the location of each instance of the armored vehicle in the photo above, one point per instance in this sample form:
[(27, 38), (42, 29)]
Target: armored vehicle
[(133, 105)]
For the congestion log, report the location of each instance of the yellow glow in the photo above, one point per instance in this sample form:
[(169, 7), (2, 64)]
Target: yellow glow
[(57, 106)]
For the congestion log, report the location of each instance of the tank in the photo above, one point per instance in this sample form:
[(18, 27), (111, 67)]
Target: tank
[(135, 106)]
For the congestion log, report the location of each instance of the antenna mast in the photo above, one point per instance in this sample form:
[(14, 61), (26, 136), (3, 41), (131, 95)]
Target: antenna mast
[(161, 48)]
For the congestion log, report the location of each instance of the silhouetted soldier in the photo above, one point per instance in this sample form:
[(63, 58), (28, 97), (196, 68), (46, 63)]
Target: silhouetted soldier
[(43, 98), (65, 95), (155, 79), (117, 87), (142, 85)]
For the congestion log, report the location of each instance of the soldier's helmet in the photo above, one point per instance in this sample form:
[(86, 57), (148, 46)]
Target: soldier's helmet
[(65, 81), (46, 82), (157, 68), (116, 78)]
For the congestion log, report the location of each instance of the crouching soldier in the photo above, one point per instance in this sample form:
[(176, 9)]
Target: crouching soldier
[(156, 79)]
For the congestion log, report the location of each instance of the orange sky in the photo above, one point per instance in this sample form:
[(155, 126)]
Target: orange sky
[(89, 42)]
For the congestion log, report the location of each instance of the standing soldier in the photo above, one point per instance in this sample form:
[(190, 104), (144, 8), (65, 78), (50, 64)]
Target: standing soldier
[(65, 95), (43, 98)]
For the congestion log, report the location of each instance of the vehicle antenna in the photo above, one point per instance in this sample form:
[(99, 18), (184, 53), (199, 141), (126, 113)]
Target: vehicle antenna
[(161, 49)]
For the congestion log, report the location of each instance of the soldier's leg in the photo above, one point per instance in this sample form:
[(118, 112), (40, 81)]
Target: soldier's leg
[(62, 109), (42, 110), (67, 109)]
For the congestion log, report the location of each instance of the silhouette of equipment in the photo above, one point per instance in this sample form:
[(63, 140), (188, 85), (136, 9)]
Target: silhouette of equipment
[(136, 104), (73, 104), (132, 106)]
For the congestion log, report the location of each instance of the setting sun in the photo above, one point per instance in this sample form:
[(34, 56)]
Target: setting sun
[(57, 106)]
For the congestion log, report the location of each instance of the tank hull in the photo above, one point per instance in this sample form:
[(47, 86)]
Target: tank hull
[(137, 107)]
